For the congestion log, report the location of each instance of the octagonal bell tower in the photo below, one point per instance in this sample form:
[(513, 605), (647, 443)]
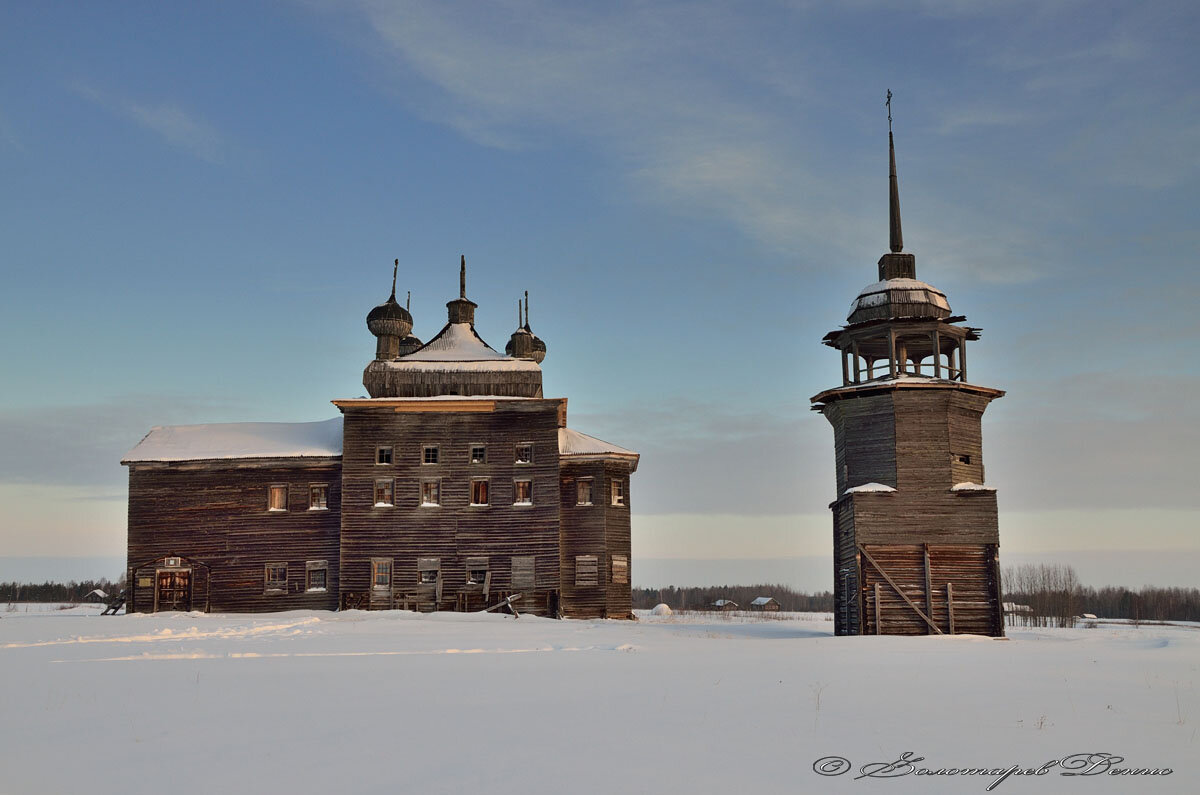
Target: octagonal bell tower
[(915, 530)]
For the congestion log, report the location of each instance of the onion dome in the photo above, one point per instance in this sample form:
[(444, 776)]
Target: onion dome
[(520, 344), (899, 297), (409, 342), (389, 319), (539, 347)]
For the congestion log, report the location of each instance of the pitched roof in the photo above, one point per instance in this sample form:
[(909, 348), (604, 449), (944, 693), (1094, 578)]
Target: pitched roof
[(573, 443), (239, 440)]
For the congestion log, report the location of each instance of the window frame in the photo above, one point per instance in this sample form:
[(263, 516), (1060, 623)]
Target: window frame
[(426, 565), (324, 506), (487, 492), (478, 564), (378, 565), (437, 455), (517, 455), (286, 497), (614, 486), (623, 567), (275, 590), (527, 502), (471, 448), (379, 455), (316, 565), (591, 562), (591, 487), (378, 503), (437, 486)]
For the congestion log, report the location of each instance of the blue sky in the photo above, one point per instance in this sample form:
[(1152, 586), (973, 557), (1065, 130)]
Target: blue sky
[(201, 202)]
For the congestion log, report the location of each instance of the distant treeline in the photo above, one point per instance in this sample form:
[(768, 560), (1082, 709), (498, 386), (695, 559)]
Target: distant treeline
[(55, 591), (1055, 597), (743, 595)]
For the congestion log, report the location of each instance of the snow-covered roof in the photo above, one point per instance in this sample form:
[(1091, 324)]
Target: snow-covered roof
[(903, 294), (239, 440), (969, 486), (868, 487), (723, 602), (457, 342), (762, 600), (574, 443)]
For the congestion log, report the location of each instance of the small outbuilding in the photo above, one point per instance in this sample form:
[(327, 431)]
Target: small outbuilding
[(767, 603), (724, 604)]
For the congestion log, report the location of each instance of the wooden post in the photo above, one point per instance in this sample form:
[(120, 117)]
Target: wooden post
[(859, 614), (845, 369), (937, 354), (950, 604), (878, 610), (899, 591), (928, 591), (854, 351), (962, 362), (892, 352), (903, 357)]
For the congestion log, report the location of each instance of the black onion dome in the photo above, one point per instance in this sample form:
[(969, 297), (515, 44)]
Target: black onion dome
[(539, 348), (389, 319), (409, 344)]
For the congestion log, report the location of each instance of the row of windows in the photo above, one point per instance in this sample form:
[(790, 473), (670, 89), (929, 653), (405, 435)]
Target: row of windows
[(431, 493), (316, 577), (523, 569), (431, 454)]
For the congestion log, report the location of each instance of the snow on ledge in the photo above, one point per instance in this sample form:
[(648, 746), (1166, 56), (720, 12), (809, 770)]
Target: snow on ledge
[(240, 440), (969, 486), (868, 487)]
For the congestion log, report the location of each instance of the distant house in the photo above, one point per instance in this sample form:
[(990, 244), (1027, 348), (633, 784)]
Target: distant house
[(724, 604), (765, 603)]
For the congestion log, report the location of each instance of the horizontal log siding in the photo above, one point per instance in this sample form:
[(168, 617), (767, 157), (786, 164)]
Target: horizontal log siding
[(216, 513), (864, 433), (968, 567), (584, 532), (619, 596), (455, 530)]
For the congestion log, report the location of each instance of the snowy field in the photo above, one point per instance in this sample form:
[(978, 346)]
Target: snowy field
[(397, 702)]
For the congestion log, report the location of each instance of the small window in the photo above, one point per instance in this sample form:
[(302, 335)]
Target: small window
[(428, 570), (431, 492), (318, 497), (385, 495), (523, 571), (277, 498), (620, 569), (583, 491), (522, 492), (316, 575), (381, 574), (383, 455), (479, 492), (429, 454), (275, 578), (524, 453), (478, 454), (477, 571), (586, 570), (964, 459), (618, 492)]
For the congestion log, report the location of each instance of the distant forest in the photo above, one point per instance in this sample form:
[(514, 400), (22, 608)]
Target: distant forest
[(743, 595), (56, 591)]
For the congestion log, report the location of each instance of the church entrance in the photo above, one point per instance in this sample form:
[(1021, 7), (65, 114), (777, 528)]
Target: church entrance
[(174, 591)]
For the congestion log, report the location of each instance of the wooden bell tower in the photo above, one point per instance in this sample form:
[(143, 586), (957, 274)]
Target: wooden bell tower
[(915, 531)]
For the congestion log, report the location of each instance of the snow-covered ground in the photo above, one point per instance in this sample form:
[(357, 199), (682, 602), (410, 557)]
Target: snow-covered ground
[(397, 702)]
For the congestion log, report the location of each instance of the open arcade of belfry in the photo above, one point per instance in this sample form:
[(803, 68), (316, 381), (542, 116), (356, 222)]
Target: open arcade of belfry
[(458, 485)]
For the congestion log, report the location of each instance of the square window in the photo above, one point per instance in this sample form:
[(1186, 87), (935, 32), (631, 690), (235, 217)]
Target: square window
[(431, 492), (620, 569), (277, 498), (477, 571), (428, 569), (275, 578), (479, 492), (618, 492), (523, 571), (478, 454), (522, 492), (583, 491), (385, 493), (524, 453), (383, 455), (316, 575), (381, 573), (586, 570), (429, 454), (318, 497)]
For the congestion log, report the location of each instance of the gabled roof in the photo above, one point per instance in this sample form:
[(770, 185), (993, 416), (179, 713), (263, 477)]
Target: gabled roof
[(456, 342), (573, 444), (763, 600), (239, 440)]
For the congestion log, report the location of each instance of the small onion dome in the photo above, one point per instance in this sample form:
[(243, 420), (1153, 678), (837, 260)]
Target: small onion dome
[(409, 344), (539, 349), (520, 344), (896, 298), (389, 319)]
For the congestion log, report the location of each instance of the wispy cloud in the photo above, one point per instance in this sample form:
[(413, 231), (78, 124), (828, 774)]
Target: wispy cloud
[(178, 127)]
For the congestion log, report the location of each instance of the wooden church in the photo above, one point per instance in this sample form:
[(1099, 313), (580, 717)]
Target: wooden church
[(915, 531), (454, 486)]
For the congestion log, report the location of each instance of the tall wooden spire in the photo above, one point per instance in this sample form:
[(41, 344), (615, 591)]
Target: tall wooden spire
[(897, 235)]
